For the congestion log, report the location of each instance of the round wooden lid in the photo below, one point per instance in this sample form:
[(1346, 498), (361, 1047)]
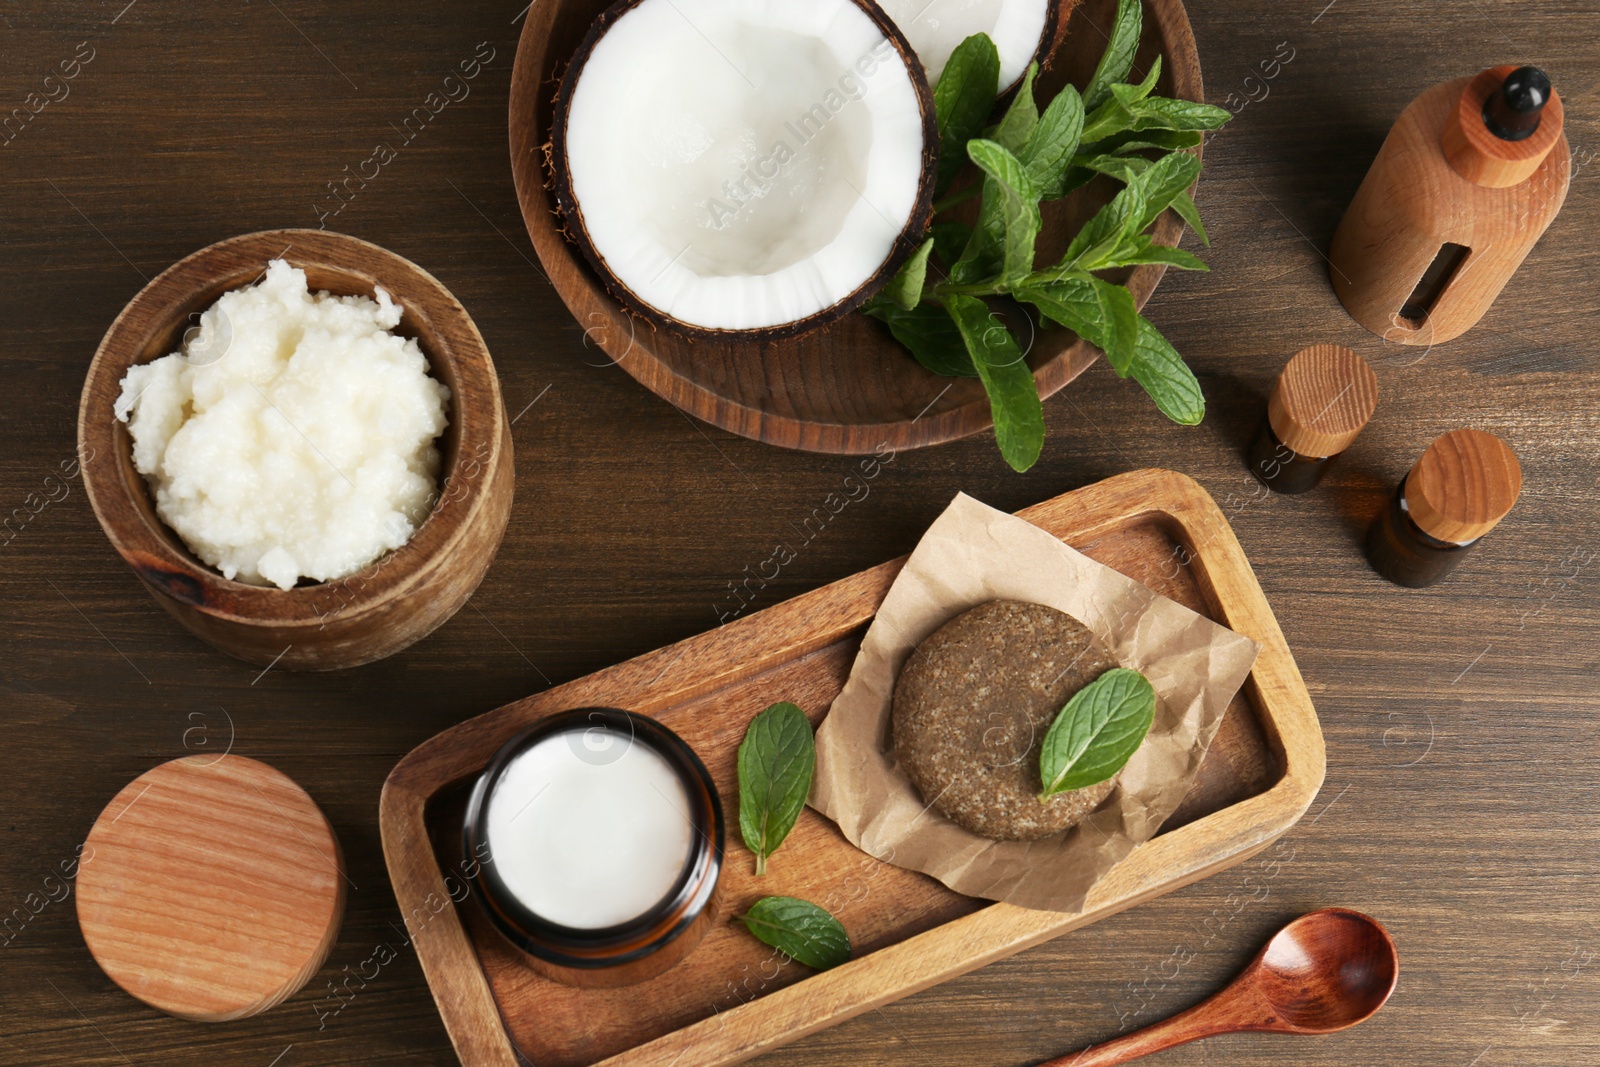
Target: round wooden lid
[(1462, 487), (1322, 400), (211, 888)]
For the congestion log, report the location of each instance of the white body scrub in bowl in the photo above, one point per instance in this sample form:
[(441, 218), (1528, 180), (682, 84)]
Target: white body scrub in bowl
[(292, 435)]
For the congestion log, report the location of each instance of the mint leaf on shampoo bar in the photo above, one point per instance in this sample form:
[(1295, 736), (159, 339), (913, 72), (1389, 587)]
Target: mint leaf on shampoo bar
[(1098, 731)]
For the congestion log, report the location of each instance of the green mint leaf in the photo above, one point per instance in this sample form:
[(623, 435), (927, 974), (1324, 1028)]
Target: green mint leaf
[(984, 255), (1167, 378), (1022, 117), (1102, 234), (905, 289), (962, 101), (1148, 86), (930, 335), (776, 761), (1097, 311), (1148, 192), (1183, 204), (1111, 117), (1119, 119), (1080, 173), (1013, 394), (1098, 731), (1029, 156), (1142, 250), (800, 930), (1053, 143), (1121, 318), (1070, 302), (1161, 140), (1075, 303), (1118, 57), (1132, 94), (1164, 181), (1123, 168), (949, 238), (1165, 113), (1017, 203)]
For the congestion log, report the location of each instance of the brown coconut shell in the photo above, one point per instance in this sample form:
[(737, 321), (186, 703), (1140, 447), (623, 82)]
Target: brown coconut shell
[(1055, 28)]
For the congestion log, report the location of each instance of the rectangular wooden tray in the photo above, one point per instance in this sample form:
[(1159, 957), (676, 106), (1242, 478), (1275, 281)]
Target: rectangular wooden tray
[(731, 1000)]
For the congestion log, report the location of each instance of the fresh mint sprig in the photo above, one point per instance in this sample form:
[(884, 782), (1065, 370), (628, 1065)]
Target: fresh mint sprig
[(936, 306)]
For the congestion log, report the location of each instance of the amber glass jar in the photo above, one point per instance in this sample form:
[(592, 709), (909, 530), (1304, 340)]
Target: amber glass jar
[(1282, 468), (1459, 490), (598, 834), (1318, 407), (1404, 552)]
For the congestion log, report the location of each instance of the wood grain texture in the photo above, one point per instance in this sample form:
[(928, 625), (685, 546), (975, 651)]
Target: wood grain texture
[(1460, 806), (848, 388), (1323, 400), (211, 888), (1464, 484), (363, 617), (1414, 202), (908, 931)]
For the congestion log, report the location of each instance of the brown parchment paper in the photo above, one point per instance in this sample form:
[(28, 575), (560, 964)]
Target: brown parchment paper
[(973, 554)]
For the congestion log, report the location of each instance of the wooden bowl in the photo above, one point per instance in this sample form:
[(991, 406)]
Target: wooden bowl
[(850, 387), (406, 594)]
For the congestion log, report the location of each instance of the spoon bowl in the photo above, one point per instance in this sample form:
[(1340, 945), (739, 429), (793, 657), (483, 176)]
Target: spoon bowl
[(1327, 971)]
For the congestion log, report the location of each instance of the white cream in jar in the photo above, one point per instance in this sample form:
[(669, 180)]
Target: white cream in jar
[(589, 828)]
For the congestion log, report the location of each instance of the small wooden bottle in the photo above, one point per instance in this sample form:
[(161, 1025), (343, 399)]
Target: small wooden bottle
[(1460, 489), (1319, 405), (1468, 180)]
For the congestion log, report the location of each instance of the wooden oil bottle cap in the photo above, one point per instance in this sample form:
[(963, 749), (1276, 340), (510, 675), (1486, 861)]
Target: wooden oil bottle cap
[(211, 888), (1322, 400), (1481, 155), (1462, 487)]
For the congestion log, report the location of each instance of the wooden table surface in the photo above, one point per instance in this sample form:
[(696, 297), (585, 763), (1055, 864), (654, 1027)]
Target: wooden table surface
[(1460, 805)]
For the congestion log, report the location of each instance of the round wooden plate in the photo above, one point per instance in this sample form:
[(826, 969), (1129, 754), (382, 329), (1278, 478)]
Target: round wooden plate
[(850, 387)]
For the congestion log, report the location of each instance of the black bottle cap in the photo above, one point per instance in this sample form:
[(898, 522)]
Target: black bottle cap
[(1513, 113)]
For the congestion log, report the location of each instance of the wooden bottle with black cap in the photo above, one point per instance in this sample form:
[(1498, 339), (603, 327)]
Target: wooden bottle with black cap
[(1467, 182), (1464, 484), (1319, 405)]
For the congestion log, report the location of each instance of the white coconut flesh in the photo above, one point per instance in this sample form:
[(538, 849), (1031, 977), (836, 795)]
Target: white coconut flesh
[(936, 27), (744, 164)]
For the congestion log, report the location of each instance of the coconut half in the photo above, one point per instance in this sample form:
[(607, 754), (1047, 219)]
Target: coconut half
[(754, 167), (1019, 29)]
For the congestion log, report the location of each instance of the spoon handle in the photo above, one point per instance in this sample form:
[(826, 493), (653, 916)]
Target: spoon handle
[(1231, 1010)]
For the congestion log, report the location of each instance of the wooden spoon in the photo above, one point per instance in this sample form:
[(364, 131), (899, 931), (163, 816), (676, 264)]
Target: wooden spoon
[(1325, 971)]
